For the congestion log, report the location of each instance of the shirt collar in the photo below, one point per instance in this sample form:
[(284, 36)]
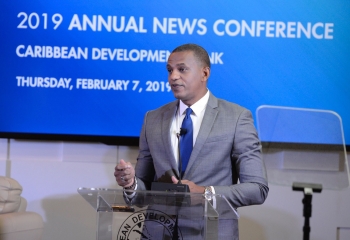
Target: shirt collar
[(198, 107)]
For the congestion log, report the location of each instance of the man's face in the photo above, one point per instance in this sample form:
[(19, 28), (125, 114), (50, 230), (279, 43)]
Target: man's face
[(187, 77)]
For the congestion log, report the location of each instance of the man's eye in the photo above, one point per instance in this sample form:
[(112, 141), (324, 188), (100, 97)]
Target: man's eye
[(182, 69), (169, 70)]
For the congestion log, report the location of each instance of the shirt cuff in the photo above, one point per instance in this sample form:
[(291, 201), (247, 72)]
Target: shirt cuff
[(132, 194)]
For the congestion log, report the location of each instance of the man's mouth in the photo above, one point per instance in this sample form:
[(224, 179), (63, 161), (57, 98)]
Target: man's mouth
[(175, 85)]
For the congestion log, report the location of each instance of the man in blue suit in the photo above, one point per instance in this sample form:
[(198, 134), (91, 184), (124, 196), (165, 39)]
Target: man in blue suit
[(226, 147)]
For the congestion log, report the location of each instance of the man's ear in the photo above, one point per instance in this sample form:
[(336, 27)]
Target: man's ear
[(206, 74)]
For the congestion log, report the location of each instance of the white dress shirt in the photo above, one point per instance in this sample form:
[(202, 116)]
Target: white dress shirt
[(198, 110)]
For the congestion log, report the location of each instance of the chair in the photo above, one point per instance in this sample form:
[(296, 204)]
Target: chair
[(15, 222)]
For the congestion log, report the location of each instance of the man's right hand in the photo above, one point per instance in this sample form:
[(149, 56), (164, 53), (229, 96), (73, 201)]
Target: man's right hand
[(124, 174)]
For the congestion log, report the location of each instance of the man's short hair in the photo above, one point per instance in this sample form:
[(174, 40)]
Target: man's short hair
[(200, 53)]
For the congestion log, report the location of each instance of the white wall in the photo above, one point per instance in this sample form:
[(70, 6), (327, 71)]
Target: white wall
[(51, 172)]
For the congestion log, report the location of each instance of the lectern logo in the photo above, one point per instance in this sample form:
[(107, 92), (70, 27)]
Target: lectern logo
[(149, 224)]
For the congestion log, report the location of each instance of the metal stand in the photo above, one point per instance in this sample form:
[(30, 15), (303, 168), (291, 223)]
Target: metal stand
[(308, 190)]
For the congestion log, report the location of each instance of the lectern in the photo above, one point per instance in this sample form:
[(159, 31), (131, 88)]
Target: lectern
[(159, 215)]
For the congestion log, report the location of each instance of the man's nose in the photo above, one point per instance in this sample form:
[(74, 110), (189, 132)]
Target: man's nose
[(174, 75)]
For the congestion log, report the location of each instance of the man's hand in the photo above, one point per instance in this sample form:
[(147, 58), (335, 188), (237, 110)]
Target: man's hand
[(124, 174), (191, 185)]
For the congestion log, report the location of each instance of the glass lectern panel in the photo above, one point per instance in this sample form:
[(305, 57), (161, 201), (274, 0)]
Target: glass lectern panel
[(159, 215), (303, 145)]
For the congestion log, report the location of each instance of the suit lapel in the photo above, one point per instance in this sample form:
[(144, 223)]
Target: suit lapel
[(167, 119), (205, 128)]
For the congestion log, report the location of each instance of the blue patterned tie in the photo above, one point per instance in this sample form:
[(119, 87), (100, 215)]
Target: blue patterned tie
[(186, 142)]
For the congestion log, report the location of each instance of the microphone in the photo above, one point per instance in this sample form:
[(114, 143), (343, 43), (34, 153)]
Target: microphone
[(182, 132)]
